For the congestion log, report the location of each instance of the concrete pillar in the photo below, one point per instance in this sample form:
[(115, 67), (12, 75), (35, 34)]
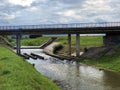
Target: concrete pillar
[(77, 45), (18, 44), (69, 44)]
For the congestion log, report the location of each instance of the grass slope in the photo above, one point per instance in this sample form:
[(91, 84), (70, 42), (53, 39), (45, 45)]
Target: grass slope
[(111, 62), (16, 74)]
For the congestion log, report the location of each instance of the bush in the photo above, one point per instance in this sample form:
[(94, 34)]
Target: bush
[(57, 48)]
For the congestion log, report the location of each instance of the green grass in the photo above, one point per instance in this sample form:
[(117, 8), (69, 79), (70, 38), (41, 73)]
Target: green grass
[(84, 40), (29, 41), (34, 41), (111, 62), (17, 74)]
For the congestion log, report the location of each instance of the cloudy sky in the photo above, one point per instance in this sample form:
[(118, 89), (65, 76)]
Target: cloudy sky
[(26, 12)]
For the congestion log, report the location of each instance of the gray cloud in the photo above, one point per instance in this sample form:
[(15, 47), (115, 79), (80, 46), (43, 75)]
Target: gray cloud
[(59, 11)]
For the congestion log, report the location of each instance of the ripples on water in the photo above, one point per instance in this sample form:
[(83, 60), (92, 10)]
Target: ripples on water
[(73, 76)]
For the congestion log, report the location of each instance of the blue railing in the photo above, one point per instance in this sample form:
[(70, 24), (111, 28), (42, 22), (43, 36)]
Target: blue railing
[(73, 25)]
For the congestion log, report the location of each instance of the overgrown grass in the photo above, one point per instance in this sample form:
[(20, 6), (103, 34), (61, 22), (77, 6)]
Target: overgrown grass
[(111, 62), (17, 74)]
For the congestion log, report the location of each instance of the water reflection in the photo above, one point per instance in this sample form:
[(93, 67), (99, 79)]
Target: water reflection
[(74, 76)]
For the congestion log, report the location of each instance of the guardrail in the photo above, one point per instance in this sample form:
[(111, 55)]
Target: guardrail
[(72, 25)]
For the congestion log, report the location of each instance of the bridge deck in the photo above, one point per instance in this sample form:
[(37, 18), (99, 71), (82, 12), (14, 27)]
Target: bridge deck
[(82, 28)]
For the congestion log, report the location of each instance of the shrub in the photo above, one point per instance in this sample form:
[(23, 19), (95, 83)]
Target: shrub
[(57, 48)]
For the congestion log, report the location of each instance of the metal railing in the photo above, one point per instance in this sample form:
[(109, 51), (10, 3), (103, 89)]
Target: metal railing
[(72, 25)]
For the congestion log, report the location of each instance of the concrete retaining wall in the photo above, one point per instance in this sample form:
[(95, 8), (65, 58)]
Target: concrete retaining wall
[(111, 40)]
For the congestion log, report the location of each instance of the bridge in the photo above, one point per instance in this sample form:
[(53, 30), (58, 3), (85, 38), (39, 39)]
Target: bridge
[(111, 29)]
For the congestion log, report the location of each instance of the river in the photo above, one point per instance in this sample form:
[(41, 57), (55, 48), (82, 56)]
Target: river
[(74, 76)]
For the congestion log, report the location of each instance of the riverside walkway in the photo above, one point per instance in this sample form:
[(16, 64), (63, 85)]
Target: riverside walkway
[(111, 29)]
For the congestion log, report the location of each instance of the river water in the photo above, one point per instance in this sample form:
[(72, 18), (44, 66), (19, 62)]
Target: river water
[(74, 76)]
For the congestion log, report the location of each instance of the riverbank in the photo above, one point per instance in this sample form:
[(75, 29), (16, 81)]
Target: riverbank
[(16, 74), (111, 62)]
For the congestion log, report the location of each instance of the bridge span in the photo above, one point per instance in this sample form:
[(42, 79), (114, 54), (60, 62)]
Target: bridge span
[(111, 29)]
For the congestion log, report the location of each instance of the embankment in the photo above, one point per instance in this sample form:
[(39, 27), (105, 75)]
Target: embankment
[(105, 58), (17, 74)]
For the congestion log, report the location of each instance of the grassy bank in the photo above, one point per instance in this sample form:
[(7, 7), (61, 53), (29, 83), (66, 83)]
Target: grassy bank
[(111, 62), (16, 74)]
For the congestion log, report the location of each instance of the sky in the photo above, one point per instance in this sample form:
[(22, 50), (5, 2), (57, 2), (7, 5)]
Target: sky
[(35, 12)]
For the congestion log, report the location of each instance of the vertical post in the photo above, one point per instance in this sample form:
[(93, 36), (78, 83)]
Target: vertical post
[(18, 43), (69, 44), (77, 45)]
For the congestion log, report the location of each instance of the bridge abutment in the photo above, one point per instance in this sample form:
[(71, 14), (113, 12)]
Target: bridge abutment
[(111, 40)]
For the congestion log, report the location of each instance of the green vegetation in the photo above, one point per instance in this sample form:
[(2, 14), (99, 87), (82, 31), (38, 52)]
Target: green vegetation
[(34, 41), (111, 62), (84, 40), (57, 47), (17, 74), (28, 41)]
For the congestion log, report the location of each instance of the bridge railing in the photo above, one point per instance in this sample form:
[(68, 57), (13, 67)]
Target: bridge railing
[(73, 25)]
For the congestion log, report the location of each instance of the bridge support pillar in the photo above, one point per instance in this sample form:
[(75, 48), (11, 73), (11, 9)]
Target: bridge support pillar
[(77, 45), (18, 44), (111, 40), (69, 44)]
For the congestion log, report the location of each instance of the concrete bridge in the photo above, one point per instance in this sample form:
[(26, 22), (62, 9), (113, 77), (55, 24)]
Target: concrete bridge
[(111, 29)]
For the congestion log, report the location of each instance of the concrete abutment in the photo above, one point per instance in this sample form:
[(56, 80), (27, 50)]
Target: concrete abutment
[(111, 40)]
